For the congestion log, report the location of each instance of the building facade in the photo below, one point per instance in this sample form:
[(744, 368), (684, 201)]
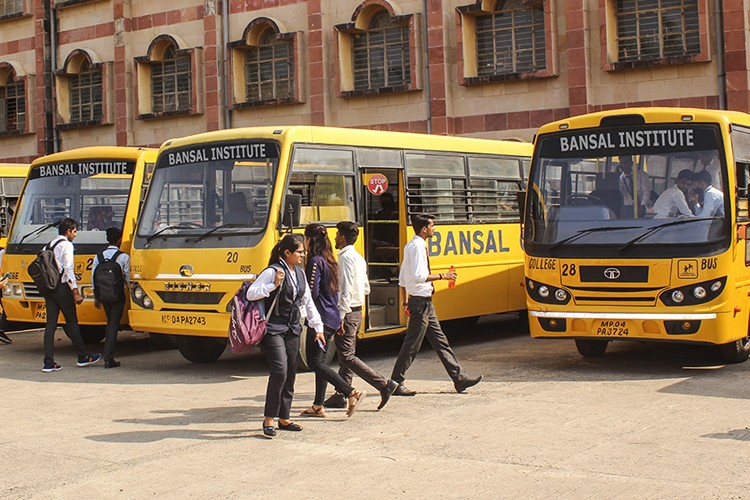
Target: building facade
[(129, 72)]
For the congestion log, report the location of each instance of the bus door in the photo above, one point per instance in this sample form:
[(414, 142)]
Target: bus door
[(383, 195)]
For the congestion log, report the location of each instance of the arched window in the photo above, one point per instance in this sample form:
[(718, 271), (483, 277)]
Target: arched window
[(381, 54), (171, 81), (12, 103), (511, 39), (269, 69), (86, 94)]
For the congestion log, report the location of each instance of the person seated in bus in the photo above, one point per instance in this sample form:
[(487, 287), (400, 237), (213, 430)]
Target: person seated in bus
[(709, 161), (712, 200), (100, 218), (237, 209), (627, 188), (673, 201)]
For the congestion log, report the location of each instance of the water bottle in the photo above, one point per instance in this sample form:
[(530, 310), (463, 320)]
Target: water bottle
[(452, 283)]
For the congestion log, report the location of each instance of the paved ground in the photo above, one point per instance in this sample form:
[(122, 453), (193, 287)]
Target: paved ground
[(645, 421)]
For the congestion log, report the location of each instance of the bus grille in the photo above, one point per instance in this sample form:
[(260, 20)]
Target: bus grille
[(614, 274), (30, 291), (201, 298)]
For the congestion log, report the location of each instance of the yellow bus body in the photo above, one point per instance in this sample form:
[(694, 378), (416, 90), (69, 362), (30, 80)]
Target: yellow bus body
[(189, 283), (21, 301), (594, 276)]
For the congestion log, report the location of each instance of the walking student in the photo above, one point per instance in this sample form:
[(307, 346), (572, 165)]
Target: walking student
[(64, 299), (112, 300), (323, 277), (416, 279), (353, 287), (281, 342)]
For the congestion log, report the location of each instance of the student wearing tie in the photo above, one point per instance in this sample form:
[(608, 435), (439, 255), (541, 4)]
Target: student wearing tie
[(416, 280), (627, 183)]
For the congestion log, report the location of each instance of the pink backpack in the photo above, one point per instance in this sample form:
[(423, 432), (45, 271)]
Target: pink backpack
[(247, 320)]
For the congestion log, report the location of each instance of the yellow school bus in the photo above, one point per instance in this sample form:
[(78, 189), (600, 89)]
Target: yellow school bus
[(12, 176), (100, 187), (218, 202), (635, 229)]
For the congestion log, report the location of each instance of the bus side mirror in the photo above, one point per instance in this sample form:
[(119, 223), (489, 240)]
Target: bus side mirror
[(291, 209)]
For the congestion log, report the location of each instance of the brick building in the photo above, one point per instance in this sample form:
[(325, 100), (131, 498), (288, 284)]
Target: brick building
[(128, 72)]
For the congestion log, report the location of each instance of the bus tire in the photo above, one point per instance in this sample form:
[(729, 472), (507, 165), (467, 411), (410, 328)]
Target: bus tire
[(737, 351), (162, 341), (92, 334), (591, 348), (302, 359), (200, 349)]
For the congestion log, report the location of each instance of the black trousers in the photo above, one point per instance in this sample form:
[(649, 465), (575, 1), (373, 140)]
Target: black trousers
[(423, 322), (114, 313), (324, 374), (61, 300), (346, 347), (281, 350)]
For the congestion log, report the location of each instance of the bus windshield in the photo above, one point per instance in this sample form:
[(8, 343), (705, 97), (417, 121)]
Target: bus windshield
[(93, 192), (210, 192), (628, 187)]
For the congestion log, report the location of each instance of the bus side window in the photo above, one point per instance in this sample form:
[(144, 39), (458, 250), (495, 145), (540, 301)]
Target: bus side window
[(743, 181)]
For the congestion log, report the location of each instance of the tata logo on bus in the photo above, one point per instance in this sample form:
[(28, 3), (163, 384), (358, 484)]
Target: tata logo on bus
[(466, 242), (377, 184)]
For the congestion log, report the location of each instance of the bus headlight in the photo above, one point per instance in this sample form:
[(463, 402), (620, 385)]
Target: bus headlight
[(696, 293), (138, 293), (547, 294), (140, 297), (16, 290), (147, 304)]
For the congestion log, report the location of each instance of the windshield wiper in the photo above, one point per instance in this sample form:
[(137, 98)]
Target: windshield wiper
[(654, 229), (173, 226), (227, 226), (40, 230), (584, 232)]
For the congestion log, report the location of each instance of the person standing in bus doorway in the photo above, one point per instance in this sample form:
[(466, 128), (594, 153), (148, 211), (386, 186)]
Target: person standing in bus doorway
[(353, 287), (416, 280), (113, 310), (323, 277), (627, 183), (283, 329), (64, 299)]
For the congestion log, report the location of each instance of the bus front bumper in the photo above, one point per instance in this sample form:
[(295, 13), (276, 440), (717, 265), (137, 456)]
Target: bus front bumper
[(195, 323)]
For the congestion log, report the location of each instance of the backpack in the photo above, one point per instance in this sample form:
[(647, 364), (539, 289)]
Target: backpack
[(43, 270), (109, 282), (247, 320)]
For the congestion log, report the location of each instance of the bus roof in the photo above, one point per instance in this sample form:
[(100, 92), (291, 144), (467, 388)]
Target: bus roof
[(358, 137), (94, 152), (651, 115), (14, 169)]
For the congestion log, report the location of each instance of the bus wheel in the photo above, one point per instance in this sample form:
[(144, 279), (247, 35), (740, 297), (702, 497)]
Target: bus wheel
[(200, 349), (591, 348), (302, 364), (161, 341), (92, 334), (737, 351)]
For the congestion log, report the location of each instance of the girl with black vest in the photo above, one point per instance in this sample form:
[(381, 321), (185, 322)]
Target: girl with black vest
[(281, 343)]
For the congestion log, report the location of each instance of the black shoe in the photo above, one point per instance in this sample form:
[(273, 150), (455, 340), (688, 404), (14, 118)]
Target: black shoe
[(385, 392), (401, 390), (466, 383), (269, 431), (111, 364), (51, 367), (336, 401), (4, 339), (291, 426), (88, 359)]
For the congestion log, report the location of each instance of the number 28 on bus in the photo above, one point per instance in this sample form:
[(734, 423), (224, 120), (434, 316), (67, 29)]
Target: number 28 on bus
[(634, 229)]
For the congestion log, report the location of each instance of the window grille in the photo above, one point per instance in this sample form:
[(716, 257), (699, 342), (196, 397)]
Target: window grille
[(655, 29), (12, 107), (86, 94), (11, 7), (511, 39), (381, 55), (269, 69), (171, 83)]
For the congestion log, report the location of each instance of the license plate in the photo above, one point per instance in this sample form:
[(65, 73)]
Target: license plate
[(613, 328), (40, 310)]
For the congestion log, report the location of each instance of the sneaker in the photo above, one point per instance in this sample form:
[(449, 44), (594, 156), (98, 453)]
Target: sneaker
[(89, 359), (111, 363), (4, 339), (336, 401), (51, 367)]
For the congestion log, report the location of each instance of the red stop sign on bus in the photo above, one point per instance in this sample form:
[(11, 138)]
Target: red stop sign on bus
[(377, 184)]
